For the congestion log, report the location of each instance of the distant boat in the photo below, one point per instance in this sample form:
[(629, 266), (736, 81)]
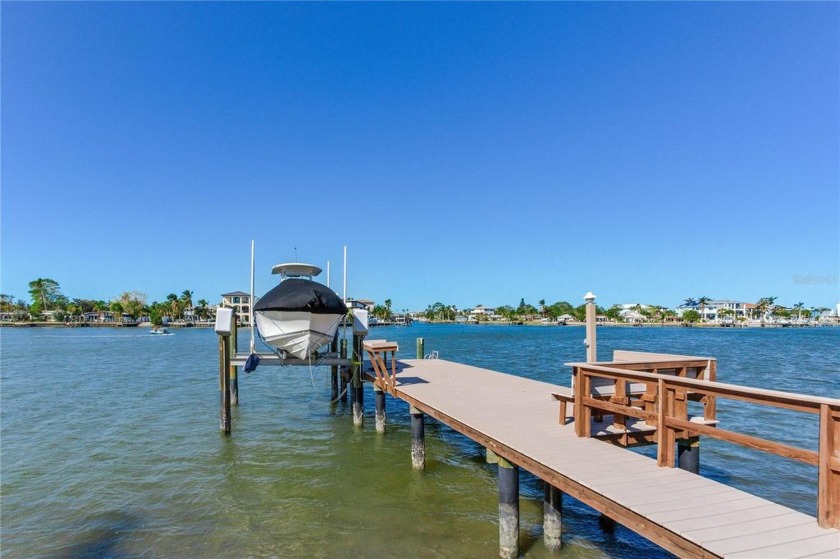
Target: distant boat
[(160, 331), (300, 315)]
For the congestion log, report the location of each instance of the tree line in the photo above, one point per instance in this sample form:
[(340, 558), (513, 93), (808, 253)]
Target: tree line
[(46, 297)]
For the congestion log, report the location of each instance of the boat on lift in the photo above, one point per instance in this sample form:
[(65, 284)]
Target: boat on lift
[(299, 315)]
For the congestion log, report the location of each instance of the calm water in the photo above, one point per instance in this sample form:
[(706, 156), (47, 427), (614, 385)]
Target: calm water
[(111, 446)]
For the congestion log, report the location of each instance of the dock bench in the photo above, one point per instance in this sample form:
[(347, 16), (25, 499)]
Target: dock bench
[(626, 430)]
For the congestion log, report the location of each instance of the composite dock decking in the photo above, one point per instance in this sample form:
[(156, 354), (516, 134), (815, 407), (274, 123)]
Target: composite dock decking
[(687, 514)]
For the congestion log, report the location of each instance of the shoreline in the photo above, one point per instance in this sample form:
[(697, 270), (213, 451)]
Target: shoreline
[(5, 324), (96, 325), (648, 325)]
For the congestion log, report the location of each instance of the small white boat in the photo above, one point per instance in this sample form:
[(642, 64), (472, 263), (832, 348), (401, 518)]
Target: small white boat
[(300, 315), (160, 331)]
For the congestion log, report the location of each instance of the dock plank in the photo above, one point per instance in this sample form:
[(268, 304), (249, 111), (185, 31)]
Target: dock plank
[(687, 514)]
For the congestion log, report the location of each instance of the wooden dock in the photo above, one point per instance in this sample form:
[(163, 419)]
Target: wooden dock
[(691, 516)]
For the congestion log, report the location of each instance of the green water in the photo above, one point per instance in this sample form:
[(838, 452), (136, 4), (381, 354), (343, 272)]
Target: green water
[(110, 447)]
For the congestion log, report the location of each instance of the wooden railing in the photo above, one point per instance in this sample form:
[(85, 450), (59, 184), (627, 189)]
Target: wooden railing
[(670, 416)]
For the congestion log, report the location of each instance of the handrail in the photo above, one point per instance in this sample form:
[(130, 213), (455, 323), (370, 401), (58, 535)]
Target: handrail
[(671, 418), (799, 402)]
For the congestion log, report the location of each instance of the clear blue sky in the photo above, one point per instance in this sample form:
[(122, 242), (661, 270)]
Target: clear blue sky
[(464, 153)]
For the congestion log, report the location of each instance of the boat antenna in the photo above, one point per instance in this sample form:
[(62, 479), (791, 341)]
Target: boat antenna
[(252, 298), (296, 254), (328, 273), (345, 274)]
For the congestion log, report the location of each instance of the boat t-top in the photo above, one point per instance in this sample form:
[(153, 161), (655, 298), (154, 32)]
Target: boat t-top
[(299, 315)]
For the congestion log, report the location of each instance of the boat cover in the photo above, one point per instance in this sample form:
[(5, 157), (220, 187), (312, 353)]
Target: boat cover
[(297, 294)]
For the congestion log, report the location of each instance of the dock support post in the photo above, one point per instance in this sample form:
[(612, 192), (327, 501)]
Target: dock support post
[(379, 394), (508, 509), (224, 384), (607, 524), (552, 517), (234, 378), (688, 454), (357, 386), (343, 392), (421, 348), (418, 440), (334, 374)]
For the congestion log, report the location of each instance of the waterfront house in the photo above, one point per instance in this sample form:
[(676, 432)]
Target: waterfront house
[(365, 304), (482, 313), (241, 303), (711, 311)]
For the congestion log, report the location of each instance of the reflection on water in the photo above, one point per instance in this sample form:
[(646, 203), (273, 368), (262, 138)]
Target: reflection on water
[(111, 448)]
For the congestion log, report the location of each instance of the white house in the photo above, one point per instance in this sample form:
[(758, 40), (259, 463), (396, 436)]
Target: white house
[(241, 303), (483, 313), (712, 309)]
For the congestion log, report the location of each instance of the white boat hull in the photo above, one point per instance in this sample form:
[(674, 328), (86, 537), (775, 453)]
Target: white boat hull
[(298, 333)]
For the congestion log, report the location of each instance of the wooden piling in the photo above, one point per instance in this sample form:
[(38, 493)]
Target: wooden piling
[(224, 384), (334, 373), (421, 348), (552, 517), (234, 377), (418, 440), (688, 454), (343, 380), (358, 397), (508, 509), (379, 395)]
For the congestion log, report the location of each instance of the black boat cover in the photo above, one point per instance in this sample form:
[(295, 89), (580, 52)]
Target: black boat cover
[(297, 294)]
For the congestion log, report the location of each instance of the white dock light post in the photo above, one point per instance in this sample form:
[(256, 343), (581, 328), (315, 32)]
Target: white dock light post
[(590, 342)]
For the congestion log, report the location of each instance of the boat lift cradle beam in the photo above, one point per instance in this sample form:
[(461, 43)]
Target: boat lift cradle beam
[(272, 359)]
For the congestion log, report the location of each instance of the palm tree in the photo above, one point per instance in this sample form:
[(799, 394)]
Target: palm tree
[(799, 306), (202, 308), (186, 300), (542, 307), (770, 306), (173, 306), (689, 302), (702, 301)]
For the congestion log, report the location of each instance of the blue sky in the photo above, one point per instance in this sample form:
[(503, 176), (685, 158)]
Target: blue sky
[(464, 153)]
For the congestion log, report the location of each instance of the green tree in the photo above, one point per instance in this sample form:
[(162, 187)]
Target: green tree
[(175, 307), (440, 312), (133, 302), (560, 308), (506, 311), (45, 293), (202, 309), (156, 313), (691, 316), (186, 299), (612, 313)]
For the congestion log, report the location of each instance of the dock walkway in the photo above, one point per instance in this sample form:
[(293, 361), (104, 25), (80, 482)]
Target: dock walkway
[(684, 513)]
